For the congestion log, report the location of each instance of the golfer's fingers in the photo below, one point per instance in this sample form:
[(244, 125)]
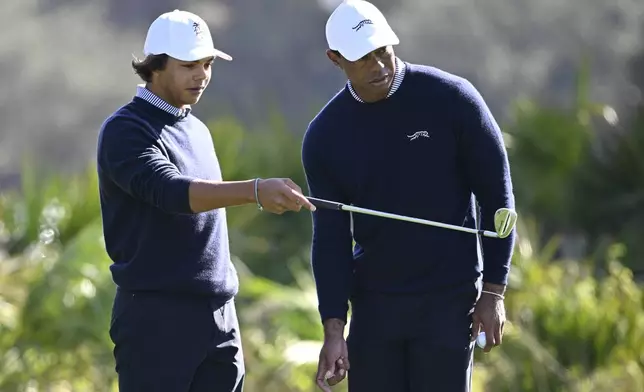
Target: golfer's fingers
[(300, 200), (342, 363), (498, 335), (490, 335), (322, 376), (290, 202), (280, 203), (291, 184), (323, 385), (277, 207), (340, 373), (346, 363), (297, 196), (476, 328), (341, 368)]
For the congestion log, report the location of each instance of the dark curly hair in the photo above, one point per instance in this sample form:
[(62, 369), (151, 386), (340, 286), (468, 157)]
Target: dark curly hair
[(144, 68)]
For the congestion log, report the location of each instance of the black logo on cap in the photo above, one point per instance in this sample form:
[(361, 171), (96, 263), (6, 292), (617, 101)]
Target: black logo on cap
[(197, 29), (361, 24)]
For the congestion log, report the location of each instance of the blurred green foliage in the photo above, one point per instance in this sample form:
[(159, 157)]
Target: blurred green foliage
[(580, 170), (575, 324)]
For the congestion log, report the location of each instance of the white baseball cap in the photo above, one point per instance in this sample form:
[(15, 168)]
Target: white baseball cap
[(181, 35), (357, 27)]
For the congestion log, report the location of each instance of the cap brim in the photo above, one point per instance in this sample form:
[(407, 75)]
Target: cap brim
[(203, 53), (361, 47), (223, 55)]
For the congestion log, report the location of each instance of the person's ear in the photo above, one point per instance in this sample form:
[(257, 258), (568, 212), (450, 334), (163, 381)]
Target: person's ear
[(333, 56)]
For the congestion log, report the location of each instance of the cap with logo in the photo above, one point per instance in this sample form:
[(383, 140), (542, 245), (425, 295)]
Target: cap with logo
[(357, 27), (181, 35)]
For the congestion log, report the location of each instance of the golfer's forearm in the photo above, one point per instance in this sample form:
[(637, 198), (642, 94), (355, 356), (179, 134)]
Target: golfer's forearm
[(334, 328), (209, 195)]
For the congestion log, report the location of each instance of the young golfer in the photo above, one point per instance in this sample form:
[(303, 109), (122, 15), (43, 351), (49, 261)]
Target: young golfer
[(418, 141), (174, 323)]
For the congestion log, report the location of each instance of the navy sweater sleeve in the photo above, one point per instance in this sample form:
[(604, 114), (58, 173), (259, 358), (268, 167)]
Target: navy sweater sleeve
[(488, 173), (130, 156), (331, 248)]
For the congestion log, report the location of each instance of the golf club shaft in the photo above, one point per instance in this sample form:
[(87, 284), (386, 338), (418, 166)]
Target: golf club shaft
[(332, 205)]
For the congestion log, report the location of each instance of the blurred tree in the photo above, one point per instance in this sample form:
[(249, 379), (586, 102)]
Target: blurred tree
[(579, 170), (547, 147), (636, 73), (612, 206)]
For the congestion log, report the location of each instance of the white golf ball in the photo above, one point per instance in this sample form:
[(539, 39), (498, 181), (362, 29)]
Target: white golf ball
[(480, 340)]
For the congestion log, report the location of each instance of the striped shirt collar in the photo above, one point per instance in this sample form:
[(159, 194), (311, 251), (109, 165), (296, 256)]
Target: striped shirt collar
[(399, 75), (147, 95)]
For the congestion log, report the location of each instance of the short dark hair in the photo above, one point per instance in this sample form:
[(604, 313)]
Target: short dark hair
[(144, 68)]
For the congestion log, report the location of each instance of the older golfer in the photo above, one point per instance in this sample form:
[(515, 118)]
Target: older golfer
[(163, 200), (418, 141)]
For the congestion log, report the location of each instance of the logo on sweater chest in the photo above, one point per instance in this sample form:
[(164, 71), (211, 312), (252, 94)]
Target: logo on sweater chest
[(419, 134)]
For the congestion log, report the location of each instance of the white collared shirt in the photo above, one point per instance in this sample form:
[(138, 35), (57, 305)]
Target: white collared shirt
[(143, 93)]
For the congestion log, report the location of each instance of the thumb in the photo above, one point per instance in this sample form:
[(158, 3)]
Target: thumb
[(322, 375), (330, 370), (347, 364), (322, 369), (476, 327)]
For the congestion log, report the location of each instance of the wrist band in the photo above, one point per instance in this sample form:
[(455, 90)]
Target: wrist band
[(259, 205), (493, 293)]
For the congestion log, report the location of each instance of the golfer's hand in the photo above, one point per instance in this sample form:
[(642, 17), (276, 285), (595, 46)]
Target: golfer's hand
[(489, 316), (333, 363), (278, 195)]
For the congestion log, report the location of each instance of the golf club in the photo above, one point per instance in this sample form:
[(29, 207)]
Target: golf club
[(504, 218)]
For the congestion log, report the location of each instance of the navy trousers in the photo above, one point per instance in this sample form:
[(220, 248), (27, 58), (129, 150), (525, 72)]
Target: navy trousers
[(166, 343), (411, 344)]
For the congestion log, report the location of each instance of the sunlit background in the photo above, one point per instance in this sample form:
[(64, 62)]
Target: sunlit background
[(564, 79)]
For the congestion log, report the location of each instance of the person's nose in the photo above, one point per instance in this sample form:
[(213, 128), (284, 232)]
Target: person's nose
[(377, 65), (201, 74)]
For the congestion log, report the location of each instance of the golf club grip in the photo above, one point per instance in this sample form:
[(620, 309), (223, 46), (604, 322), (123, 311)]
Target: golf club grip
[(320, 203)]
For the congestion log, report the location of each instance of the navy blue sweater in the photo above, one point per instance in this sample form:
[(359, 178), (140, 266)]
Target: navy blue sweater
[(427, 151), (147, 158)]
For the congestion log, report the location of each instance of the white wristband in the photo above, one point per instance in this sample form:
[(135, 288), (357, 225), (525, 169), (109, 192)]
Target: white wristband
[(493, 293)]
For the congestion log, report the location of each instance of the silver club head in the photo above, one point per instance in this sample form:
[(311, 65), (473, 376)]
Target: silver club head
[(504, 221)]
